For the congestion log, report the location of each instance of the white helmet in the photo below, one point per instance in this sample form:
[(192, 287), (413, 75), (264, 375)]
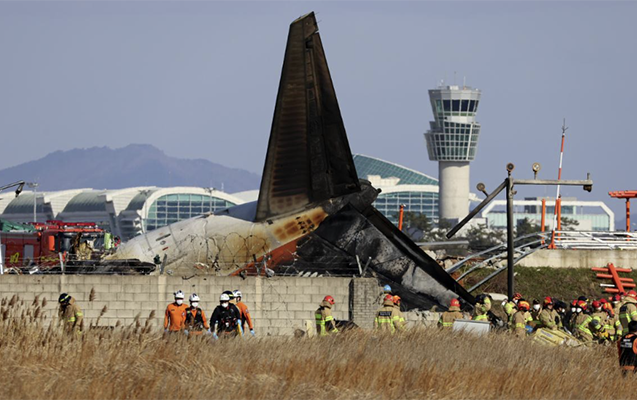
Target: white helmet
[(179, 294), (194, 298), (224, 297), (237, 293)]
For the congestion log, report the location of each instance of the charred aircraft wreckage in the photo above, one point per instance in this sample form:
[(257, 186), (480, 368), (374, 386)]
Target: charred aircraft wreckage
[(313, 213)]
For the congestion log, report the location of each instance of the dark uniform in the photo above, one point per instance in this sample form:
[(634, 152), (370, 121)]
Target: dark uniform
[(627, 347), (226, 319)]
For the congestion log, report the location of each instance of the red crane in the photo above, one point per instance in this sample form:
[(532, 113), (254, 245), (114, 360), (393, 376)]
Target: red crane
[(625, 194)]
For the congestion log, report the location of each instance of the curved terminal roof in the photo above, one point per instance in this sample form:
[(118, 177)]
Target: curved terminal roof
[(370, 166), (86, 202)]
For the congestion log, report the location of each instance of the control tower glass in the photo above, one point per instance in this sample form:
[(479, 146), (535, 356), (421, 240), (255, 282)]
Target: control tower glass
[(453, 136)]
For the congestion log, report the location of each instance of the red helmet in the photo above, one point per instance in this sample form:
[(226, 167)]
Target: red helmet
[(632, 293), (596, 304), (389, 297), (548, 300), (603, 301), (396, 299), (574, 303), (329, 299), (524, 305), (617, 298), (517, 296), (582, 304), (454, 303)]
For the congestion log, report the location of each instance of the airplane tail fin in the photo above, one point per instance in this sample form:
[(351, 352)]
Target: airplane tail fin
[(309, 157)]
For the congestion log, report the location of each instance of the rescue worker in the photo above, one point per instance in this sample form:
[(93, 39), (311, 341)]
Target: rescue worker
[(195, 322), (453, 313), (175, 315), (612, 321), (548, 317), (627, 348), (243, 310), (571, 315), (482, 307), (628, 310), (70, 314), (583, 323), (560, 307), (600, 316), (521, 318), (399, 321), (510, 307), (386, 291), (387, 319), (325, 324), (225, 319), (536, 309), (616, 302)]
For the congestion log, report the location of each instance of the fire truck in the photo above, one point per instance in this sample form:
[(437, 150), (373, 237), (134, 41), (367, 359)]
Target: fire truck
[(48, 244)]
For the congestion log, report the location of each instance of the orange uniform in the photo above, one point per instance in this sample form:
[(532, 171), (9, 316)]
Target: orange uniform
[(175, 317), (245, 314)]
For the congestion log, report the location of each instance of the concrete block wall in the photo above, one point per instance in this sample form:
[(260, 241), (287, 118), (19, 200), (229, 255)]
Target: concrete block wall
[(563, 258), (278, 305)]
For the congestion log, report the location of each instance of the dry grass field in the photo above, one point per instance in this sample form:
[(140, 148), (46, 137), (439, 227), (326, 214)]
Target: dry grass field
[(138, 362)]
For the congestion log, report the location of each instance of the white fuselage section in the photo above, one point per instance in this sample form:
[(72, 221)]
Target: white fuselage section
[(219, 243)]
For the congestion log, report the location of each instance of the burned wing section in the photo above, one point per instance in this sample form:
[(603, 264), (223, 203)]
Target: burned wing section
[(393, 257), (309, 158)]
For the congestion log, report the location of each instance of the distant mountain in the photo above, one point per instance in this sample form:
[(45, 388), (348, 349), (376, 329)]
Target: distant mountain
[(133, 165)]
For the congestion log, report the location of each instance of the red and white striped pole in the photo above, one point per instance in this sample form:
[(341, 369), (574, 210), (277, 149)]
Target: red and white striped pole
[(558, 198)]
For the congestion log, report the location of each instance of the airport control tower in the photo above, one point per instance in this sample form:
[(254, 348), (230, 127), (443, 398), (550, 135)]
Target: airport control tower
[(453, 141)]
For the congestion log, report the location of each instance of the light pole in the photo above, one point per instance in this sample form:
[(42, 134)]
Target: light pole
[(34, 186)]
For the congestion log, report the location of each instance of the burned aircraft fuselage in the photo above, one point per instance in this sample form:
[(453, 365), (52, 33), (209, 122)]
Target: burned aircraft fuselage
[(228, 240)]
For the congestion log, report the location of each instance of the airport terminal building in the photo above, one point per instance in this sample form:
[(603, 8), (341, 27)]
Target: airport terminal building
[(399, 185), (125, 212)]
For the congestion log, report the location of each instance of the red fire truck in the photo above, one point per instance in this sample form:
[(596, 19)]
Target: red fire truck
[(42, 244)]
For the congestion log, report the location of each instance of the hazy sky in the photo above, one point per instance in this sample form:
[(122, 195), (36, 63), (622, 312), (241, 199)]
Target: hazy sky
[(199, 79)]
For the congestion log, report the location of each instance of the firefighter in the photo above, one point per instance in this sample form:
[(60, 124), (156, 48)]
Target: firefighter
[(482, 307), (560, 307), (611, 321), (453, 313), (536, 309), (387, 319), (325, 324), (225, 321), (399, 320), (381, 297), (70, 314), (175, 314), (520, 318), (510, 307), (571, 315), (616, 302), (548, 317), (600, 317), (583, 323), (628, 310), (627, 348), (195, 322), (243, 310)]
